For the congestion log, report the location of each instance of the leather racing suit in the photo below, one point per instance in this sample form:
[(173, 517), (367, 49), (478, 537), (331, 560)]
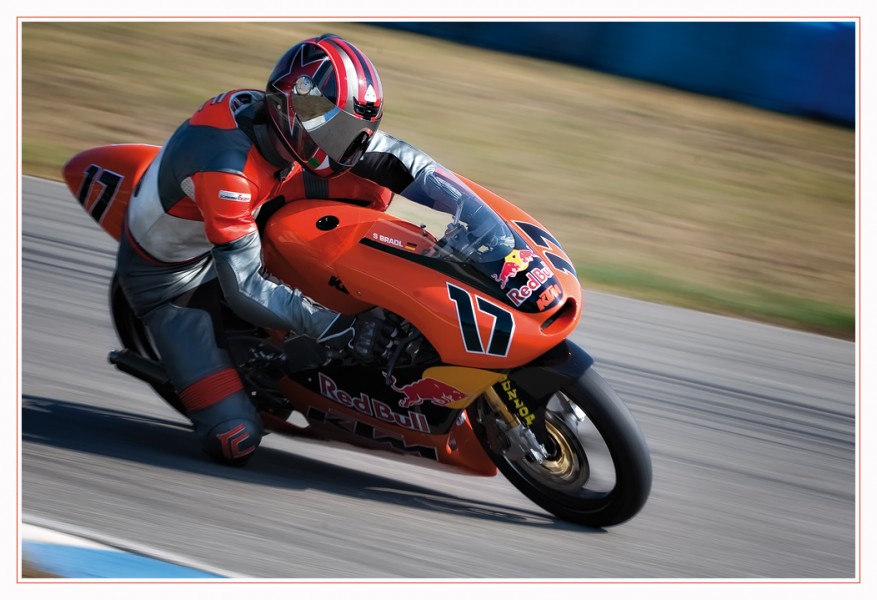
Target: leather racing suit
[(191, 235)]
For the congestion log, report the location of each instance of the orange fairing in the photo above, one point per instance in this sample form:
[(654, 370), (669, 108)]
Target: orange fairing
[(103, 178), (334, 414), (351, 258), (542, 240)]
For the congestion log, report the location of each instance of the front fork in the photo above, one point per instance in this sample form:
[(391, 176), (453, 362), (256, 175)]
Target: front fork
[(522, 442), (521, 400)]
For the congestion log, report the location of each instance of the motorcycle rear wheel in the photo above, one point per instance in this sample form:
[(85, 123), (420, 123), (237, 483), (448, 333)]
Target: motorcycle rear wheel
[(598, 472)]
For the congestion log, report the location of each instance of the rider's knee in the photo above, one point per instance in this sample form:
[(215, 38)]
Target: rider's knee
[(230, 430), (233, 442)]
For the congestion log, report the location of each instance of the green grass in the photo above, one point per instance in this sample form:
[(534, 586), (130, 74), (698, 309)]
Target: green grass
[(754, 303), (653, 192)]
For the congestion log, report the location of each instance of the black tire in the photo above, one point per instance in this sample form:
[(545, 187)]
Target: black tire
[(599, 471), (135, 339)]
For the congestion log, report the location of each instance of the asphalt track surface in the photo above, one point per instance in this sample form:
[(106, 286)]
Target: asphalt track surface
[(752, 431)]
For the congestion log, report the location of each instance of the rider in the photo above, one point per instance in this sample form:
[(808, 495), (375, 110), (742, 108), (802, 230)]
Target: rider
[(191, 235)]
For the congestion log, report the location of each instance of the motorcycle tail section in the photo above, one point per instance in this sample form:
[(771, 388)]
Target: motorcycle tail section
[(103, 179)]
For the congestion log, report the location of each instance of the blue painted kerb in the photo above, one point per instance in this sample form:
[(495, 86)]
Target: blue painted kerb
[(74, 562)]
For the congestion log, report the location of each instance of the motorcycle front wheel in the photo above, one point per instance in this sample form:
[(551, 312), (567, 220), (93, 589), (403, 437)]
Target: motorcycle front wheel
[(598, 469)]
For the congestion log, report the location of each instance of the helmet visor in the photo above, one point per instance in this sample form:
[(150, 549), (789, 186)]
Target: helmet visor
[(341, 135)]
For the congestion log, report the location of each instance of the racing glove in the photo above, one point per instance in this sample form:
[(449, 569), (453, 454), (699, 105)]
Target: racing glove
[(368, 337)]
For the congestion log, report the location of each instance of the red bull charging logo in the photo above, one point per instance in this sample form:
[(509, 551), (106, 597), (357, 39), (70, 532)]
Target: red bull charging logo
[(371, 407), (429, 390), (515, 263)]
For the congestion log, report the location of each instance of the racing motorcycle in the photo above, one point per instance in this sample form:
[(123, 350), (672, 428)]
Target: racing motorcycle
[(481, 376)]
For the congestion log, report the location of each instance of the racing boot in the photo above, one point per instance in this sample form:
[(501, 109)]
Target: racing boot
[(230, 430)]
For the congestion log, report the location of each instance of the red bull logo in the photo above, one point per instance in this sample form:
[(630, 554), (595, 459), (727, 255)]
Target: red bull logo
[(516, 262), (427, 390), (535, 280), (371, 407)]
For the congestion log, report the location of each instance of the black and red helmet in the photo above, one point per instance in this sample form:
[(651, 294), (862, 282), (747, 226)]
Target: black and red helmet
[(325, 101)]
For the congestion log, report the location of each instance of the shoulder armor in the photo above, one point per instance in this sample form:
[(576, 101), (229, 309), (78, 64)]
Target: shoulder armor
[(221, 110)]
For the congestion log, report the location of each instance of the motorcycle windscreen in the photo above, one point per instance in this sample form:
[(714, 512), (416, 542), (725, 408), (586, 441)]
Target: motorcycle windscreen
[(474, 243)]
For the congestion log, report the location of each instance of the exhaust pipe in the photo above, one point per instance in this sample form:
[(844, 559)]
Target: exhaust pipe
[(144, 369)]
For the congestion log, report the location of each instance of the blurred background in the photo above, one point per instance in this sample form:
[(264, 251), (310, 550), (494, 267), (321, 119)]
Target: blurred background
[(710, 165)]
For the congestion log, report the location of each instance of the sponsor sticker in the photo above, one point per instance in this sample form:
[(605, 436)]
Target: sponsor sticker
[(429, 390), (234, 196), (536, 278), (513, 399), (514, 263), (372, 407)]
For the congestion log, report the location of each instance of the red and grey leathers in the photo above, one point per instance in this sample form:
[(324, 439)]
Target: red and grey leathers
[(191, 234)]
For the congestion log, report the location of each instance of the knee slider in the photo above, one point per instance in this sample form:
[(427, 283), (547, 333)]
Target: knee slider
[(233, 441)]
